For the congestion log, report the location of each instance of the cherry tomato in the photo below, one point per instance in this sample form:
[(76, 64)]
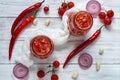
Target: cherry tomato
[(61, 11), (40, 73), (110, 13), (56, 64), (70, 5), (54, 77), (102, 15), (107, 21), (46, 9), (64, 5)]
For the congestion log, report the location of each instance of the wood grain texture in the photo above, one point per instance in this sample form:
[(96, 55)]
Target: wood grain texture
[(109, 40)]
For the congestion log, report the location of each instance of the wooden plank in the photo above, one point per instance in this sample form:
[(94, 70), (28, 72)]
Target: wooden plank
[(107, 72), (15, 7)]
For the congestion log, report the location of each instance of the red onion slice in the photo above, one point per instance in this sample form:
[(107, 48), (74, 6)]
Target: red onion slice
[(93, 7), (85, 60), (20, 71)]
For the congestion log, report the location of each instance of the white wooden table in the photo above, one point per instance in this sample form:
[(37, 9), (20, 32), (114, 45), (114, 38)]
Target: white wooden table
[(109, 40)]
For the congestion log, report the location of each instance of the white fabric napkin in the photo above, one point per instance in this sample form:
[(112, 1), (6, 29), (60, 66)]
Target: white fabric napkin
[(58, 35)]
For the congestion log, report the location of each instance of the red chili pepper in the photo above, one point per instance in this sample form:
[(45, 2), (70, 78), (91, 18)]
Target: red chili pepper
[(24, 13), (82, 46), (23, 25)]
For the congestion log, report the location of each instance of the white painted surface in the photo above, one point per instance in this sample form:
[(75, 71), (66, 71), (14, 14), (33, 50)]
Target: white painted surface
[(109, 40)]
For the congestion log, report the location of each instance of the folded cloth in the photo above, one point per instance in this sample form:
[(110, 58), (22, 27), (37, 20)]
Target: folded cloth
[(58, 35)]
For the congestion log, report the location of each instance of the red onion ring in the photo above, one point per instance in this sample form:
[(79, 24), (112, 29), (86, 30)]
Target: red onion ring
[(93, 7), (85, 60), (20, 71)]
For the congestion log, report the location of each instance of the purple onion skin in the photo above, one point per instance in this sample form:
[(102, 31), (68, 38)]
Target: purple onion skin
[(83, 57), (16, 74), (94, 14)]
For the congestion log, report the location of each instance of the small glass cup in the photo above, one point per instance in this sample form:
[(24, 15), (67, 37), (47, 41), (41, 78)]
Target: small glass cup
[(41, 47), (79, 23)]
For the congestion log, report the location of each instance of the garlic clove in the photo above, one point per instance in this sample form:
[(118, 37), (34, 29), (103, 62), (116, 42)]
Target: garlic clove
[(97, 66), (47, 22), (75, 75), (35, 21), (101, 51)]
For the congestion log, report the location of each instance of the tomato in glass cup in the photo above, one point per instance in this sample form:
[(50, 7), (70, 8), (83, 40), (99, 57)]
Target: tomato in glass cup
[(41, 46), (80, 23)]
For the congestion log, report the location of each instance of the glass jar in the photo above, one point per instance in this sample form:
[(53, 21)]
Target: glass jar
[(41, 46), (79, 23)]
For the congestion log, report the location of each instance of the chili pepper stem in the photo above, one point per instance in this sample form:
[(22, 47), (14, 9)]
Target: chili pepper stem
[(34, 14), (101, 27), (43, 1)]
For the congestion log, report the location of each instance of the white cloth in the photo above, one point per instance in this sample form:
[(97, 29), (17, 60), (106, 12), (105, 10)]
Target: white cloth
[(58, 35)]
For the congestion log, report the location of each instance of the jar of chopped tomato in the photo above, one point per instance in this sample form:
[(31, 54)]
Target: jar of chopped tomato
[(41, 47), (79, 23)]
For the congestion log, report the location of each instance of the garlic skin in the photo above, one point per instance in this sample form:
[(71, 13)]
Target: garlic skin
[(101, 51), (97, 66), (47, 22), (35, 21), (75, 75)]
